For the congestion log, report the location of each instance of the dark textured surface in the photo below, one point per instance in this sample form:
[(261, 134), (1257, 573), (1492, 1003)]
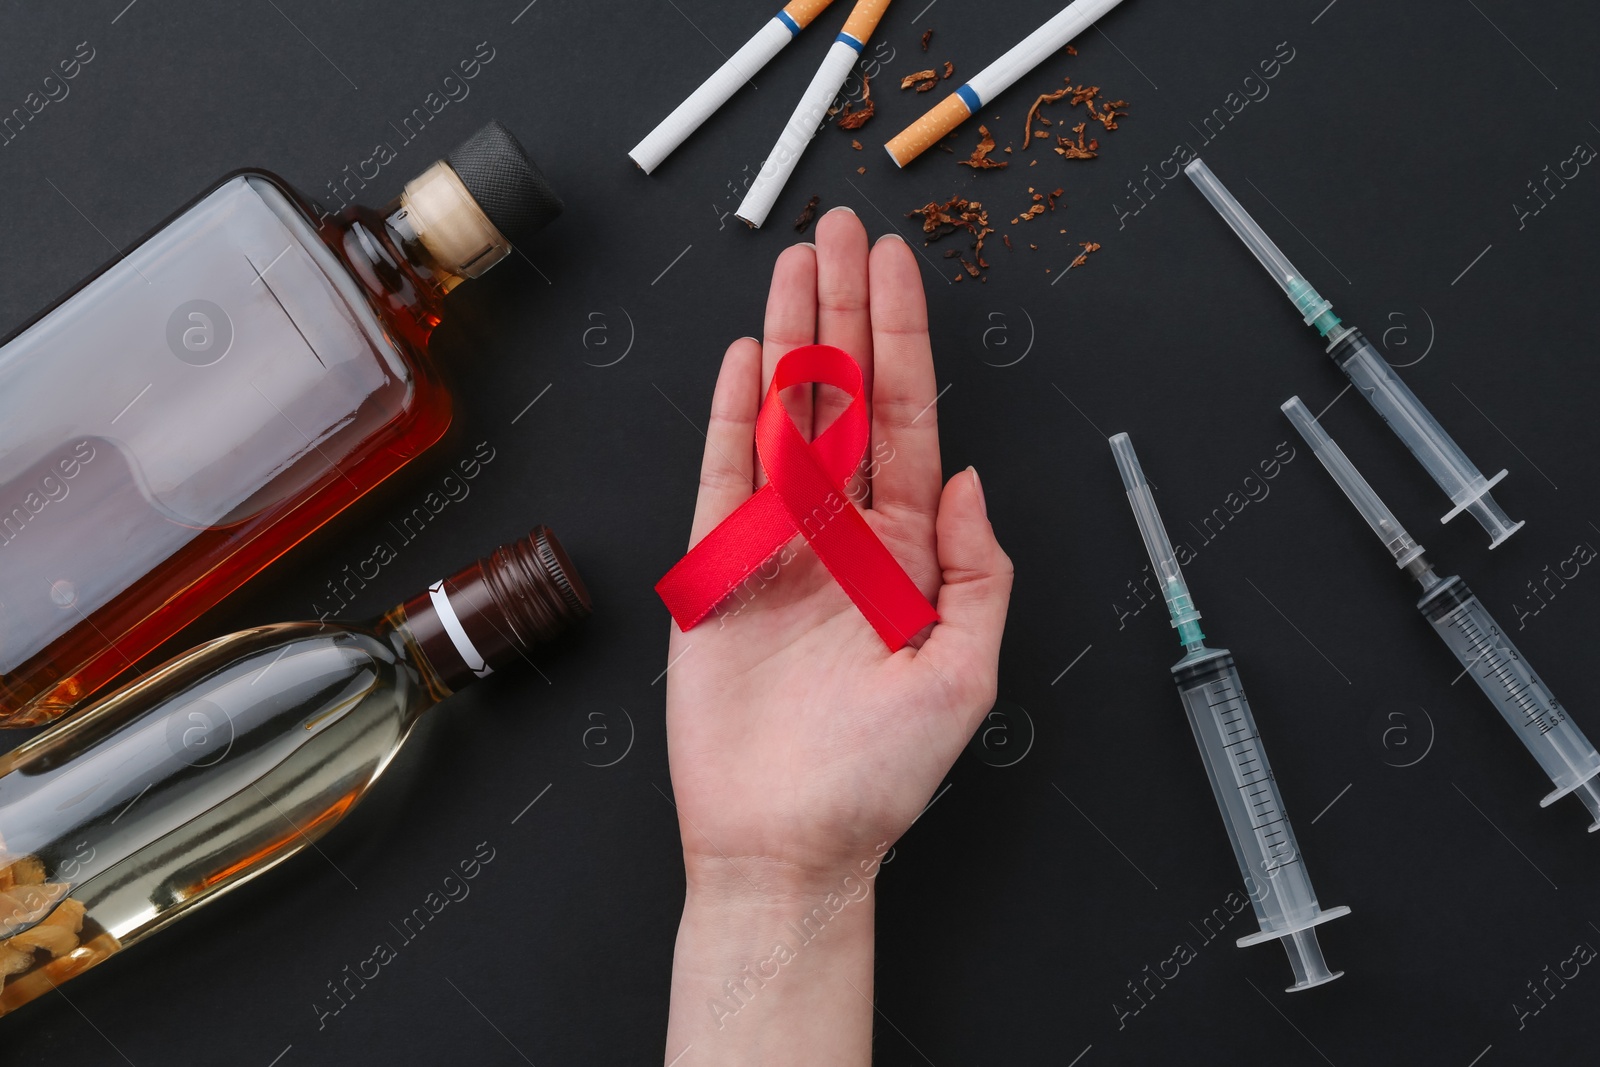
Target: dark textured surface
[(496, 170), (1387, 157)]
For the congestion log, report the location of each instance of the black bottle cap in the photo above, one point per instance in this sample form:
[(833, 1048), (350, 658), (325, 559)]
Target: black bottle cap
[(496, 170)]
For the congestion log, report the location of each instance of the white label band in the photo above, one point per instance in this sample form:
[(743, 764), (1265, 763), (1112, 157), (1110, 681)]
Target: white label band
[(458, 634)]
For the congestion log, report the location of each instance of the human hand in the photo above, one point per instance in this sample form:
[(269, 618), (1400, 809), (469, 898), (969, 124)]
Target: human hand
[(799, 745)]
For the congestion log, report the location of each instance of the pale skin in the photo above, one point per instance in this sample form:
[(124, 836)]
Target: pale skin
[(800, 747)]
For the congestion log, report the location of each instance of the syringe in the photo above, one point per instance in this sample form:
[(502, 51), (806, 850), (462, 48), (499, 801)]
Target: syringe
[(1230, 746), (1504, 675), (1466, 486)]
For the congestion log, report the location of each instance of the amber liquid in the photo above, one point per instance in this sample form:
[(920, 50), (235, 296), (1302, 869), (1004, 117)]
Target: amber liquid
[(215, 468), (193, 780)]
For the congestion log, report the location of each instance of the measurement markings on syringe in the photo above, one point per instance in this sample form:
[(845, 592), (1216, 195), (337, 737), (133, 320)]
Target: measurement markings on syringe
[(1254, 780), (1494, 661)]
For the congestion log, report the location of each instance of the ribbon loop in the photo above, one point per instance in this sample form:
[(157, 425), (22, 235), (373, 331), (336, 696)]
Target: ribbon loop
[(806, 494)]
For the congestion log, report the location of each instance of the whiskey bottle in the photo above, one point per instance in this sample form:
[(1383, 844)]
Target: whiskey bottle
[(217, 393)]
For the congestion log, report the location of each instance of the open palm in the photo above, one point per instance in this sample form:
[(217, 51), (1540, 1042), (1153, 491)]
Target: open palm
[(798, 743)]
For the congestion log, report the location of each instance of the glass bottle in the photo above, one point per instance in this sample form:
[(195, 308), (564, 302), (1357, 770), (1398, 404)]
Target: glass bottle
[(236, 755), (213, 396)]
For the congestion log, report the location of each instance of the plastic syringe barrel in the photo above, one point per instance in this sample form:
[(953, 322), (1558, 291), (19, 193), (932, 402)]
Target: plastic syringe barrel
[(1421, 433), (1252, 810), (1400, 544), (1518, 694), (1180, 605), (1306, 299)]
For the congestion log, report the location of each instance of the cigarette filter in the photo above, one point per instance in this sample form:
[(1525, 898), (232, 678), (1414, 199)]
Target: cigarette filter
[(808, 116), (718, 89), (995, 79)]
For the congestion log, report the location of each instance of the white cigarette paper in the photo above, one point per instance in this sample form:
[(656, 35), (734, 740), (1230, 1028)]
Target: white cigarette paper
[(718, 89), (996, 78), (808, 116)]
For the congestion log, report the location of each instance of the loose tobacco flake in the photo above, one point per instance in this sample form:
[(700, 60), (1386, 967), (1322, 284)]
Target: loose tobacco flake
[(1069, 149), (807, 213), (1028, 133), (920, 76), (979, 160), (855, 118)]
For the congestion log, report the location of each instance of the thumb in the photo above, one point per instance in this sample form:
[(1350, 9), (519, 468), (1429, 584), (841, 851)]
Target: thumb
[(976, 590)]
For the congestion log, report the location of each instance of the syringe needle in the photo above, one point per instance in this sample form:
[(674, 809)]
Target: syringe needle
[(1180, 605), (1373, 378), (1400, 544)]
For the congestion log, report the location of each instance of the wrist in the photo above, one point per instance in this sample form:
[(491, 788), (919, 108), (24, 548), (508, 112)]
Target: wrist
[(752, 882), (774, 965)]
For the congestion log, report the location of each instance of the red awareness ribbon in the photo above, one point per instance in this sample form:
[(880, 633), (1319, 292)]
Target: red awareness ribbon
[(805, 493)]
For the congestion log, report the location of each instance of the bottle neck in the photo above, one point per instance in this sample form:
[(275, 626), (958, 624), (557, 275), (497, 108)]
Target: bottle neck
[(439, 225), (491, 615), (410, 253)]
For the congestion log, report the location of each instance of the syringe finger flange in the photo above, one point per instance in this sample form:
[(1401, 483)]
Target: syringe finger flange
[(1271, 935)]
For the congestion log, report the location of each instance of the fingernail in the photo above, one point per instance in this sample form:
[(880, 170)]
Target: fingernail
[(891, 236), (983, 504), (806, 244), (841, 207)]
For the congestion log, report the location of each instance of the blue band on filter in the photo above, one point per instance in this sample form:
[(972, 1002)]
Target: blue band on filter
[(970, 98), (788, 20), (852, 42)]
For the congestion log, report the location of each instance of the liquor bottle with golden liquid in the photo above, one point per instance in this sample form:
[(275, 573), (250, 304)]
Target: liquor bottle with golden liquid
[(216, 394), (236, 755)]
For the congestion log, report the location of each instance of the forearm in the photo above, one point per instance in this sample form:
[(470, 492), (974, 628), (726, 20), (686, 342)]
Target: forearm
[(774, 978)]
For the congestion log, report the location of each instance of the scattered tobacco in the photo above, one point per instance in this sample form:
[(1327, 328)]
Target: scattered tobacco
[(856, 145), (927, 35), (1081, 94), (1067, 148), (1083, 257), (954, 215), (979, 160), (854, 118), (1033, 112), (949, 68), (807, 213), (920, 76)]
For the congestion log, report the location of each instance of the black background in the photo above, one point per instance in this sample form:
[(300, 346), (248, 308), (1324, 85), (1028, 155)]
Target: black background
[(1389, 153)]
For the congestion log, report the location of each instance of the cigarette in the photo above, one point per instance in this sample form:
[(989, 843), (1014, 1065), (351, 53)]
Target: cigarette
[(995, 79), (718, 89), (808, 116)]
